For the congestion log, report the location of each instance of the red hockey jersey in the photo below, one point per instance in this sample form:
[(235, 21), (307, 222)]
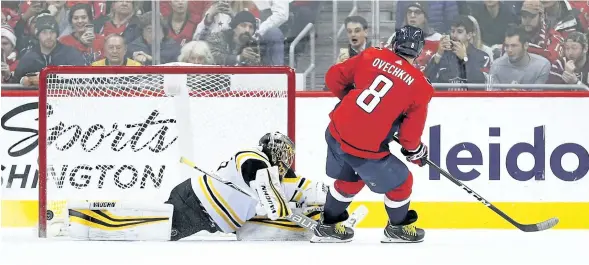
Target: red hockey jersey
[(387, 90)]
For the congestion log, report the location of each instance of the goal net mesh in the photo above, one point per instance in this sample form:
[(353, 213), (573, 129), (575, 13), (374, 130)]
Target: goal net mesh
[(119, 136)]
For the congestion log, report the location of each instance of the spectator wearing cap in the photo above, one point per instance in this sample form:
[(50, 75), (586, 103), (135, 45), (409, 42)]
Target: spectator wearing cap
[(543, 40), (140, 48), (493, 17), (573, 69), (9, 54), (457, 60), (48, 52), (25, 27), (440, 16), (121, 19), (417, 16), (357, 29), (115, 53), (83, 38), (236, 46), (517, 65)]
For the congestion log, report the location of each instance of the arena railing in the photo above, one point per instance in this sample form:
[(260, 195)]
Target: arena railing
[(338, 32), (309, 29), (492, 87), (437, 86)]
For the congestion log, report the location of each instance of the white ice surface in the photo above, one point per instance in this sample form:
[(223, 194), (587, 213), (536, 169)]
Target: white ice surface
[(456, 247)]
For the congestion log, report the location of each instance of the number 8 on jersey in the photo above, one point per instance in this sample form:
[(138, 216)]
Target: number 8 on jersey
[(377, 91)]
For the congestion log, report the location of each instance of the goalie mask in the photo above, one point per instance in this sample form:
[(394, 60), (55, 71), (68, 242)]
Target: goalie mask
[(280, 149)]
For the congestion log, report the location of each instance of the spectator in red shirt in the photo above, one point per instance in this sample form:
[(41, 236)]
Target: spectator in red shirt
[(196, 9), (543, 40), (561, 16), (83, 37), (121, 19), (573, 69), (182, 24), (10, 13), (416, 15), (582, 7)]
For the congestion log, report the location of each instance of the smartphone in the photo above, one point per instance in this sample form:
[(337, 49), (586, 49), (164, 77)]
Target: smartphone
[(89, 28)]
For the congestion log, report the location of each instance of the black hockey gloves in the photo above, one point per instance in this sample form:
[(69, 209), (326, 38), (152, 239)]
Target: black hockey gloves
[(417, 156)]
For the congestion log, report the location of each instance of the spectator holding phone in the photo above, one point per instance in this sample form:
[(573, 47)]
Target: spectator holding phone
[(47, 52), (83, 37), (457, 60)]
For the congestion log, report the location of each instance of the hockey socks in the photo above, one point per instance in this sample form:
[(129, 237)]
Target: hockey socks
[(397, 201), (339, 198)]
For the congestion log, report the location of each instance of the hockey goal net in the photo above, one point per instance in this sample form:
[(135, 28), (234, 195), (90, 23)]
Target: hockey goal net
[(117, 133)]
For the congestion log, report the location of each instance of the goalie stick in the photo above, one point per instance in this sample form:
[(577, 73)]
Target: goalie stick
[(523, 227), (299, 219)]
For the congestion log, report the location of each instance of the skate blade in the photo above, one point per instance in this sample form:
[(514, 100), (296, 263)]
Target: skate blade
[(397, 240), (317, 239)]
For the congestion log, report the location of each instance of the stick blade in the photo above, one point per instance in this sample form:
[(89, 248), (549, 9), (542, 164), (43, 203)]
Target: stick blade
[(550, 223)]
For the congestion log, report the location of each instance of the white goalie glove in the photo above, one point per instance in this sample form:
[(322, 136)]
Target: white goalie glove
[(272, 200), (315, 194)]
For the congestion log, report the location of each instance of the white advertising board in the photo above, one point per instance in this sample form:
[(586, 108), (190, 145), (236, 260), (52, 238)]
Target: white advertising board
[(510, 149)]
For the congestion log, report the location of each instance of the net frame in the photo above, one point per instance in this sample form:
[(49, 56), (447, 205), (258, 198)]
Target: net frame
[(154, 70)]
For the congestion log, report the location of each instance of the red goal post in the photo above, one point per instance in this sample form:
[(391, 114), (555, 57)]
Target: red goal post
[(92, 130)]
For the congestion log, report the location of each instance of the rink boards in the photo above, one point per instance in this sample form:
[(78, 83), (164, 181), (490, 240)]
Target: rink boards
[(526, 153)]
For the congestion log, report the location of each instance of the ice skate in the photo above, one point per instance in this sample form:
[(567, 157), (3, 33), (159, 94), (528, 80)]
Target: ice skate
[(333, 232), (405, 232)]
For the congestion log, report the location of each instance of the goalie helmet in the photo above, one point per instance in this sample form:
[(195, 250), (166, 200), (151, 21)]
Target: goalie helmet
[(280, 149)]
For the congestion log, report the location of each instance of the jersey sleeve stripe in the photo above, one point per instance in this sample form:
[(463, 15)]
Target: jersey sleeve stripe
[(232, 215), (218, 210), (291, 180), (304, 183), (241, 157), (221, 202)]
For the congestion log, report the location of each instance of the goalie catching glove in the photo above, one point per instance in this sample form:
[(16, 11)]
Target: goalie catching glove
[(314, 194), (272, 201)]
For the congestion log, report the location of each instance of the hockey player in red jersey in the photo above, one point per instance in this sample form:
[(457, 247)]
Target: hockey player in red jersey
[(390, 95)]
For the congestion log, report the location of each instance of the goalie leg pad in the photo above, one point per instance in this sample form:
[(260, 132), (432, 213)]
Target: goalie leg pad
[(120, 221)]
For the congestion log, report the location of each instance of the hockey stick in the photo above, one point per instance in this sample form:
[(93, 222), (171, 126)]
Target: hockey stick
[(299, 219), (523, 227)]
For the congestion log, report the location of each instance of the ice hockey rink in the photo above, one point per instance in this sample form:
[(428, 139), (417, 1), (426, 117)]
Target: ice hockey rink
[(454, 247)]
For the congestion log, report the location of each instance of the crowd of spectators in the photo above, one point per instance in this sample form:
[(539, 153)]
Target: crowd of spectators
[(39, 33), (468, 42), (493, 42)]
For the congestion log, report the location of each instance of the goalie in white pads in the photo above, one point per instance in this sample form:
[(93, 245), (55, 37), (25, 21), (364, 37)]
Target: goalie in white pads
[(204, 204)]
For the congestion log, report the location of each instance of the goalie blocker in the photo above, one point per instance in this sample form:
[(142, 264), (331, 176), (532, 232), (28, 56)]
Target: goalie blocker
[(203, 203)]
